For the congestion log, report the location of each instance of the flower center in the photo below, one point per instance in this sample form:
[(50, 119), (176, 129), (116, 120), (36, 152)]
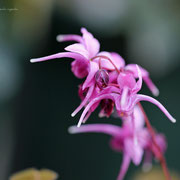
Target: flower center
[(102, 78)]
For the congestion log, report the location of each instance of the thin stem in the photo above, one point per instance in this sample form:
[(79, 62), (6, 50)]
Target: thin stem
[(113, 84), (161, 157), (100, 67), (108, 60)]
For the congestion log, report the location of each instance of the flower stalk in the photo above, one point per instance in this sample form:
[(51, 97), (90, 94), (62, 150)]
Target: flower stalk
[(160, 156)]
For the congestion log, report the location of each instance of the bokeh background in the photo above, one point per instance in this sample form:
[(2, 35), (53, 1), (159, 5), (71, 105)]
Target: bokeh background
[(36, 100)]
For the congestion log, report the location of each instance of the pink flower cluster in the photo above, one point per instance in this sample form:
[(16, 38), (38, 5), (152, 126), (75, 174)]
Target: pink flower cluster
[(114, 86)]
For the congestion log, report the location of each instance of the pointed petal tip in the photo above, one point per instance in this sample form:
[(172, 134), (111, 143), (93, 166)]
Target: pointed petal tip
[(173, 120), (156, 92), (33, 60), (71, 129), (83, 87), (83, 29), (59, 38), (79, 124)]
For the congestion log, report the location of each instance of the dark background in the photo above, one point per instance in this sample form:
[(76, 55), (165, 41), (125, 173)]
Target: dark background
[(36, 100)]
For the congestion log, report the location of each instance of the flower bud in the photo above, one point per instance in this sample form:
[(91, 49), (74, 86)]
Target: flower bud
[(102, 78)]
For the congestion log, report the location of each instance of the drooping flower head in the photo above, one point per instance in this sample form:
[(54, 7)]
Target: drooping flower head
[(88, 58), (124, 96), (115, 86), (133, 142)]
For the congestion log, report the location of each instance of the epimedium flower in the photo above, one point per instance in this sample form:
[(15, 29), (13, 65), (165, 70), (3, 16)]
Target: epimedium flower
[(115, 86), (85, 52), (145, 76), (124, 96), (99, 68), (87, 59), (132, 141), (126, 82)]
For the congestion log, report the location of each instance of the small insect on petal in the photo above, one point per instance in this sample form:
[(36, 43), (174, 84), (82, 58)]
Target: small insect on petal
[(102, 78)]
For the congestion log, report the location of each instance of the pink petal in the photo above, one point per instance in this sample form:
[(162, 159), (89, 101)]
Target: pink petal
[(69, 37), (124, 98), (138, 117), (105, 63), (134, 150), (138, 84), (79, 49), (80, 67), (92, 45), (158, 104), (58, 55), (111, 130), (118, 60), (93, 69), (124, 167), (95, 100), (161, 141), (151, 85), (126, 80), (113, 76), (84, 102), (145, 76), (87, 116)]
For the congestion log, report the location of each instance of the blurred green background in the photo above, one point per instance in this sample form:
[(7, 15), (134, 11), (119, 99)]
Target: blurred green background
[(36, 100)]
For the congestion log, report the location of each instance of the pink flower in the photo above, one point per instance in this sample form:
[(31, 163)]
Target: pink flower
[(131, 141), (92, 64), (87, 60), (145, 75), (114, 86), (124, 96), (86, 49)]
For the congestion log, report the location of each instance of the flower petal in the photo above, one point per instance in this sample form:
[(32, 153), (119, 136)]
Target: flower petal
[(80, 67), (95, 100), (69, 37), (83, 103), (145, 76), (118, 60), (151, 85), (58, 55), (93, 69), (134, 150), (138, 84), (111, 130), (141, 97), (108, 61), (124, 98), (92, 45), (87, 116), (124, 167), (79, 49), (126, 80), (138, 118)]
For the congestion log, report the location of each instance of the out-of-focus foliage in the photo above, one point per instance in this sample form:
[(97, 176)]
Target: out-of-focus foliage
[(34, 174), (36, 100), (154, 174)]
